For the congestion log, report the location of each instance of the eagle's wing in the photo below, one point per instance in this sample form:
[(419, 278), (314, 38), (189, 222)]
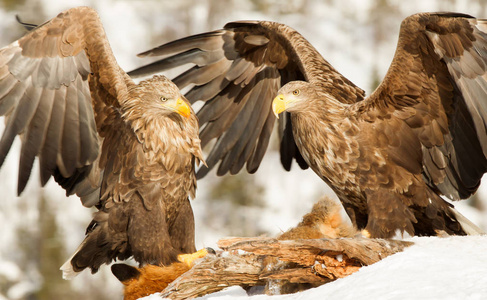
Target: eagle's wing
[(45, 96), (237, 71), (437, 84)]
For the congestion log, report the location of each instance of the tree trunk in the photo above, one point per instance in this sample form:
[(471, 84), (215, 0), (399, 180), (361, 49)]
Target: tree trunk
[(292, 264)]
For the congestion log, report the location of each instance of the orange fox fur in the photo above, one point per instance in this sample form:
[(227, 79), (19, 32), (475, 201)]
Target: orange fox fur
[(141, 282), (324, 221)]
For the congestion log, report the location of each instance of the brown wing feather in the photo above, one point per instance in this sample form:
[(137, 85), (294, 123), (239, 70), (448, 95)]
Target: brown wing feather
[(437, 84), (245, 62), (45, 95)]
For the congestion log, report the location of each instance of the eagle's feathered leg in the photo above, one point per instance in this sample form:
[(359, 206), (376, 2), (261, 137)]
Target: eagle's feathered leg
[(116, 233)]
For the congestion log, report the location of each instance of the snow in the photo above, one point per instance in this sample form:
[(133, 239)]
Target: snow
[(433, 268)]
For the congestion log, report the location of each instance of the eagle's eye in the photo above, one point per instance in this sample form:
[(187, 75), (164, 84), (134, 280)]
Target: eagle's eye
[(296, 92), (163, 99)]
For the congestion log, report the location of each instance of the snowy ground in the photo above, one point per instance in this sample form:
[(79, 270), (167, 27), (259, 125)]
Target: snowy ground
[(434, 268)]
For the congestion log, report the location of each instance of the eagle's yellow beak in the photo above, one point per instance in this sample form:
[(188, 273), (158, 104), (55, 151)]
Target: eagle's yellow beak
[(278, 105), (182, 108)]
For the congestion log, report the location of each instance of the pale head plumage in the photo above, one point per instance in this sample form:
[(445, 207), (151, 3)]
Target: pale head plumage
[(157, 96), (301, 96)]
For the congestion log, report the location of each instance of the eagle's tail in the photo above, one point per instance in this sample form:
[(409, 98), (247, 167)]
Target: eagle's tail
[(99, 247), (468, 226), (67, 268)]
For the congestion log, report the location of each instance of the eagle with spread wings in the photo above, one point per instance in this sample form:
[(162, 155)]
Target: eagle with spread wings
[(390, 156), (128, 149)]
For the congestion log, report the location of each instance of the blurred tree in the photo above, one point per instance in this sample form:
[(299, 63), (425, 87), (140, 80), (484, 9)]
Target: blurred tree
[(382, 13), (376, 79), (26, 257), (50, 253), (41, 251), (240, 189), (11, 4), (234, 203), (278, 8)]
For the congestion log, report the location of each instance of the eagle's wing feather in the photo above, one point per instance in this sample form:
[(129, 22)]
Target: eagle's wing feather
[(437, 84), (237, 71), (45, 96)]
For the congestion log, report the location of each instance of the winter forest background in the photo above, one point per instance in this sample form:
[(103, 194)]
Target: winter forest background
[(40, 229)]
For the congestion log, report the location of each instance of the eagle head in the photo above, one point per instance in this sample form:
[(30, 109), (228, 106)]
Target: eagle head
[(292, 97), (303, 96), (160, 95)]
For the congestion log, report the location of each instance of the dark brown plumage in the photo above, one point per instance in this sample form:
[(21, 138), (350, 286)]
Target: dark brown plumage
[(128, 149), (388, 157)]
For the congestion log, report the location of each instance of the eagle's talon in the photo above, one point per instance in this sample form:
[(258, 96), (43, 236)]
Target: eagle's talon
[(189, 258), (210, 250)]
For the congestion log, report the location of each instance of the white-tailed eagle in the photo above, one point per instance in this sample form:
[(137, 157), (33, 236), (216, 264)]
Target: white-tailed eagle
[(390, 156), (128, 149)]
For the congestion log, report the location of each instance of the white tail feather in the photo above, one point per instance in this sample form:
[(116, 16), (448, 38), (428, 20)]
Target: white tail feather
[(467, 225), (67, 268)]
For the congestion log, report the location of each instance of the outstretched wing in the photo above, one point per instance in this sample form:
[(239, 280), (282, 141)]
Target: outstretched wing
[(45, 81), (437, 84), (237, 71)]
